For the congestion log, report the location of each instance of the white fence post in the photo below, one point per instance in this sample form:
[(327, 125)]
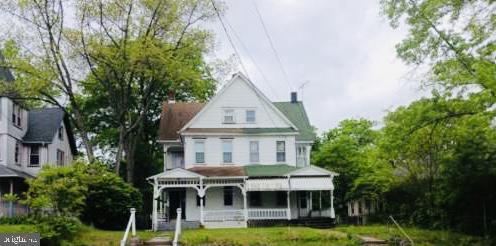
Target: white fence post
[(177, 233), (131, 225)]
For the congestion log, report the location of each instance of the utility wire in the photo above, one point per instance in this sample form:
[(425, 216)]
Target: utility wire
[(260, 71), (278, 58), (230, 39)]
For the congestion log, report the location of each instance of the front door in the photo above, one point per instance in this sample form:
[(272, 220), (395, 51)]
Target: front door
[(302, 203), (177, 199)]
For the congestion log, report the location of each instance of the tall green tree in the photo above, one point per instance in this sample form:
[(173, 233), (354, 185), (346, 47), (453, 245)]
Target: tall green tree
[(109, 64), (455, 41), (350, 150)]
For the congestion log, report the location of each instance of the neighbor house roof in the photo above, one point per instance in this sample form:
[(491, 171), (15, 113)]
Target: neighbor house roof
[(174, 116), (9, 172), (296, 113), (44, 123), (5, 73)]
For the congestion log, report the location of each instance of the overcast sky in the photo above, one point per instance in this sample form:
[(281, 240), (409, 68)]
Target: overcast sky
[(345, 49)]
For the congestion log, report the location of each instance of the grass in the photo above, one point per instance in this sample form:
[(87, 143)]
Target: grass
[(342, 235)]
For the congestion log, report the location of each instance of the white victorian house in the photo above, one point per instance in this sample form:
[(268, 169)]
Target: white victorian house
[(29, 139), (239, 160)]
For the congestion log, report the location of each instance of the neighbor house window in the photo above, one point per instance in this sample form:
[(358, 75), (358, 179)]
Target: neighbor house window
[(17, 153), (254, 153), (255, 199), (61, 133), (228, 196), (227, 148), (281, 198), (281, 151), (229, 116), (250, 116), (34, 156), (200, 152), (60, 158), (16, 115)]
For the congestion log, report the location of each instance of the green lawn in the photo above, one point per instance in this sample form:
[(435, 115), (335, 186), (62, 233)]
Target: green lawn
[(345, 235)]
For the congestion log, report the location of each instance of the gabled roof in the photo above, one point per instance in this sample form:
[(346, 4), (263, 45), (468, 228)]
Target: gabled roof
[(253, 87), (174, 116), (176, 173), (43, 125), (296, 113), (9, 172)]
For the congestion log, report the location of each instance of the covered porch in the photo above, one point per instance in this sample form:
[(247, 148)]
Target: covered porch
[(235, 195)]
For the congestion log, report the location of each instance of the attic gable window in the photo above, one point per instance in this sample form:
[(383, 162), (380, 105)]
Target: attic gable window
[(229, 116), (250, 116)]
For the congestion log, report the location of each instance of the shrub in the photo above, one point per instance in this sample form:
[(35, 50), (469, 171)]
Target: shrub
[(108, 199), (16, 220), (55, 229)]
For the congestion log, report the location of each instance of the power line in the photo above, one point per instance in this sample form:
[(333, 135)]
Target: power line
[(278, 58), (260, 71), (230, 39)]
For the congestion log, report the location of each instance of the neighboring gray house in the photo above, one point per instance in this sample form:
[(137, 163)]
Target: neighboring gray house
[(30, 139)]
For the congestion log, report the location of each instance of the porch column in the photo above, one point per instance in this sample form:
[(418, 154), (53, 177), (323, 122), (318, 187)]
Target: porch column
[(201, 193), (154, 203), (333, 214), (289, 205), (245, 205)]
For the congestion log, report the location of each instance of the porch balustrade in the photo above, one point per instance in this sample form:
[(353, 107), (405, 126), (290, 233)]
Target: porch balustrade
[(267, 213), (224, 215)]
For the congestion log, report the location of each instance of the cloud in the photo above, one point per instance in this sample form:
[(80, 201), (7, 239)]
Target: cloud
[(345, 49)]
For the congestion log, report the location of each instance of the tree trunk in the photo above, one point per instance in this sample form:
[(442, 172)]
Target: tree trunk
[(120, 149), (130, 153), (78, 118)]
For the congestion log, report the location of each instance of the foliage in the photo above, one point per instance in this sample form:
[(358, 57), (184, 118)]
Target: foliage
[(16, 220), (60, 190), (55, 229), (445, 173), (10, 197), (350, 150), (108, 199)]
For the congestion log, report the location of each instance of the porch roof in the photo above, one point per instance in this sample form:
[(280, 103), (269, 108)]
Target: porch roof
[(11, 173)]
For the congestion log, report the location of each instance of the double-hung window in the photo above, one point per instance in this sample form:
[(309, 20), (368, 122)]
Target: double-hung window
[(200, 151), (254, 152), (228, 196), (60, 158), (281, 151), (229, 116), (227, 150), (16, 115), (250, 116), (34, 156)]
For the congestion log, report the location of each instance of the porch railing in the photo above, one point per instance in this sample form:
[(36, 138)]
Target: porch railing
[(223, 215), (12, 209), (267, 213)]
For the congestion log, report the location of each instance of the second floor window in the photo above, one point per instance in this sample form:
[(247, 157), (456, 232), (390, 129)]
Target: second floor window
[(16, 115), (17, 153), (281, 151), (250, 116), (254, 153), (34, 156), (227, 151), (200, 152), (60, 158), (229, 116)]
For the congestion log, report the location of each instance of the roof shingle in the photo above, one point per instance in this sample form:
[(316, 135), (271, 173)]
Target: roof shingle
[(43, 125), (296, 113), (174, 116)]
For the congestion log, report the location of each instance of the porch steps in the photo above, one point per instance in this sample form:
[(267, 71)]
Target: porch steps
[(158, 241)]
